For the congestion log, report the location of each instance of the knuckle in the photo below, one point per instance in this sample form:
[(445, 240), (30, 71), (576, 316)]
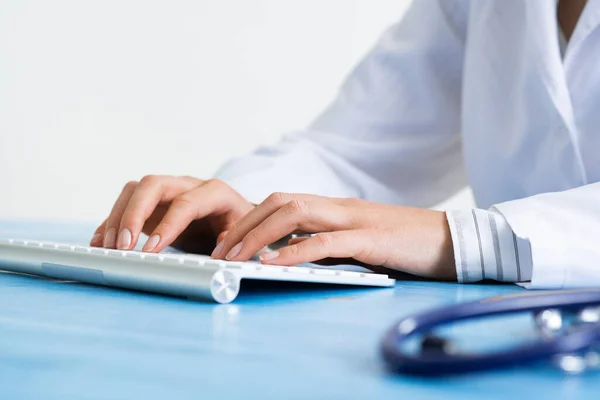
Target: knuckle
[(113, 219), (191, 179), (110, 222), (324, 240), (252, 237), (165, 226), (129, 217), (297, 206), (130, 185), (150, 180), (217, 183), (276, 199), (293, 250), (226, 193), (351, 202), (222, 189), (183, 200)]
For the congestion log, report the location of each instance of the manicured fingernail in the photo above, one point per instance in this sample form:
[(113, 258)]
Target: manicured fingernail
[(110, 238), (96, 238), (124, 239), (234, 251), (151, 243), (269, 256), (217, 250)]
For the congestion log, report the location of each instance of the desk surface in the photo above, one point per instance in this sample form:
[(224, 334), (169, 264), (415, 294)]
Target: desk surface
[(67, 340)]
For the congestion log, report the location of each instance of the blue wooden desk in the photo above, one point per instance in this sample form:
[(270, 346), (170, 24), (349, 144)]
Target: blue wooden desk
[(73, 341)]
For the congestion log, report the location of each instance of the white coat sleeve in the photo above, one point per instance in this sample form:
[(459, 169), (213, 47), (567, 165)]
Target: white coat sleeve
[(486, 248), (392, 133), (562, 229)]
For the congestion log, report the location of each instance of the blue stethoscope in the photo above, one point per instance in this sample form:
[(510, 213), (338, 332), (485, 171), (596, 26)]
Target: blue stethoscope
[(568, 323)]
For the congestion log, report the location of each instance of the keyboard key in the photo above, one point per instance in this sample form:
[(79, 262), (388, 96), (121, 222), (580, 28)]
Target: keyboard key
[(300, 270), (350, 273), (172, 259), (319, 271), (234, 264), (221, 264), (265, 269), (376, 276), (134, 255), (199, 257), (192, 262), (99, 251), (153, 257)]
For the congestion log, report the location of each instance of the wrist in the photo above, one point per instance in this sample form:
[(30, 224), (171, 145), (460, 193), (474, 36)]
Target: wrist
[(443, 266), (426, 247)]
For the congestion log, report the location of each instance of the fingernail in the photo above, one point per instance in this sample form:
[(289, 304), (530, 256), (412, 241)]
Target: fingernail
[(217, 249), (124, 239), (110, 238), (151, 243), (96, 238), (234, 251), (269, 256)]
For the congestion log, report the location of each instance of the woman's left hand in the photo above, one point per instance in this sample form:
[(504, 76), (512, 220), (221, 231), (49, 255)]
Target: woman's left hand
[(412, 240)]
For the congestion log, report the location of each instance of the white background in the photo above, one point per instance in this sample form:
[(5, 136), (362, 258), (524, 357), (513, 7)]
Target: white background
[(96, 93)]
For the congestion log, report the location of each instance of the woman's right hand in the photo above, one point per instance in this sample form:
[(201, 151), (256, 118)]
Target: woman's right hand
[(184, 212)]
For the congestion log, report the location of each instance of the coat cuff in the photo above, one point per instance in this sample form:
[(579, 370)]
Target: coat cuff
[(485, 247)]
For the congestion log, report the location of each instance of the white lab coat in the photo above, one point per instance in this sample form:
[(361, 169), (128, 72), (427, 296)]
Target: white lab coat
[(465, 93)]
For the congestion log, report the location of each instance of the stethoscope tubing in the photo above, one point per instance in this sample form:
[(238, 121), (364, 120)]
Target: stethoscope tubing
[(437, 364)]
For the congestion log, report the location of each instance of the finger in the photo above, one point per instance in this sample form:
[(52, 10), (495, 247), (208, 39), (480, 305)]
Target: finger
[(98, 236), (296, 240), (155, 218), (221, 236), (271, 204), (211, 198), (149, 193), (341, 244), (114, 219), (297, 215)]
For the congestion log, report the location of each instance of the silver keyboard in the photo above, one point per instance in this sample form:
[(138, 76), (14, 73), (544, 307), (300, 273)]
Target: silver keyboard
[(188, 275)]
